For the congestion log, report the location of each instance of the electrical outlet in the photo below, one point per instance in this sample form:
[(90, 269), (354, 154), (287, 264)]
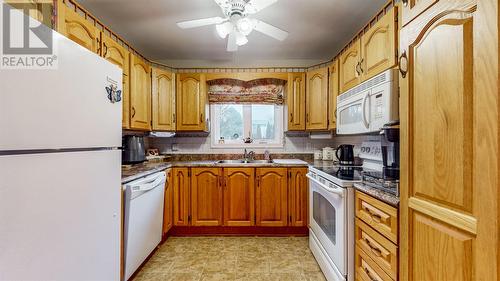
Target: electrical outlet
[(175, 147)]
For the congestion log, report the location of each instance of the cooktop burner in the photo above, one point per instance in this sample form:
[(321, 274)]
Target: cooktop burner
[(348, 173)]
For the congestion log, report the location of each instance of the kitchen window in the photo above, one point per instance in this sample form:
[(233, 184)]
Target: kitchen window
[(235, 125)]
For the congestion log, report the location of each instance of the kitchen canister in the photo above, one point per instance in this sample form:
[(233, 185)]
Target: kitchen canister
[(328, 153), (318, 155)]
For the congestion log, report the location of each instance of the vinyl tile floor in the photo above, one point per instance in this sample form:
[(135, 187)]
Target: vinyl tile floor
[(232, 259)]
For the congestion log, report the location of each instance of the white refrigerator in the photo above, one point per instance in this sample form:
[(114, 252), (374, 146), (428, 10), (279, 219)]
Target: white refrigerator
[(60, 169)]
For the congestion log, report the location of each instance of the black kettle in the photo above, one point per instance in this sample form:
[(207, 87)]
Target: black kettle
[(345, 154)]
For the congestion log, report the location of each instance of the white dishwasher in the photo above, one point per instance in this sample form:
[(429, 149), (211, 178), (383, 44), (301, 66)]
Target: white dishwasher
[(143, 219)]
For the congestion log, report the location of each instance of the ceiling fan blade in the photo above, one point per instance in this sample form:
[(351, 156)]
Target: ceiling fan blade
[(200, 22), (256, 5), (270, 30), (231, 42)]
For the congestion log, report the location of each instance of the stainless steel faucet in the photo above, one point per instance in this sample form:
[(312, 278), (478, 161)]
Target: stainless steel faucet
[(248, 156)]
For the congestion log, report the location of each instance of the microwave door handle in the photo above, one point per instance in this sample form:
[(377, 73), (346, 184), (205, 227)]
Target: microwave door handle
[(365, 122)]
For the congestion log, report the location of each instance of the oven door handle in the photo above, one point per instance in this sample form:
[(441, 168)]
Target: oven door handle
[(340, 193)]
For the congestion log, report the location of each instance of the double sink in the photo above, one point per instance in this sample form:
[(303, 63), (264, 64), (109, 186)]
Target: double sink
[(244, 161)]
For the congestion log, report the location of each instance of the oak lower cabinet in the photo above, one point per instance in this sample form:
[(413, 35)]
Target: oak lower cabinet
[(140, 94), (206, 196), (181, 188), (317, 99), (271, 197), (163, 100), (449, 179), (192, 102), (246, 197), (376, 239), (298, 192), (296, 102), (239, 196), (168, 209)]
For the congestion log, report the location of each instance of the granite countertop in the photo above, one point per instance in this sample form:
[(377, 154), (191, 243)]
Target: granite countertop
[(133, 172), (381, 195)]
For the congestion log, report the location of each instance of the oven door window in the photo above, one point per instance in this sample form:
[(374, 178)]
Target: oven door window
[(324, 215)]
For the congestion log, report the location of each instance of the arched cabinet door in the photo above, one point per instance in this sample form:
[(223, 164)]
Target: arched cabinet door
[(192, 102), (298, 187), (180, 184), (239, 194), (206, 197), (350, 74), (296, 101), (140, 94), (118, 55), (78, 29), (317, 99), (447, 208), (163, 100), (271, 197), (378, 46)]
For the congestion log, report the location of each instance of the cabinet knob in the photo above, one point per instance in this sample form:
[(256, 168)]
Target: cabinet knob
[(405, 3), (291, 117), (133, 112), (403, 64)]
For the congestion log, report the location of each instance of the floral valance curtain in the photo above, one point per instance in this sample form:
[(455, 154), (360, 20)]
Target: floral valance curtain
[(264, 91)]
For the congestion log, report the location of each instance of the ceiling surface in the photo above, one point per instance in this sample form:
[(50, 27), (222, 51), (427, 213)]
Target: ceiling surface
[(318, 29)]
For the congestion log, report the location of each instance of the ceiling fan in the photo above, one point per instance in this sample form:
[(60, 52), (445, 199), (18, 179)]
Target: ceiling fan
[(236, 25)]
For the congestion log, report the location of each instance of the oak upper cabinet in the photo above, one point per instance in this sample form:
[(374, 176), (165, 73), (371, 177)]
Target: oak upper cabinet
[(180, 184), (191, 102), (349, 66), (239, 196), (317, 99), (271, 197), (449, 211), (296, 101), (78, 29), (333, 92), (297, 196), (378, 46), (163, 100), (168, 210), (140, 94), (206, 196), (412, 8), (40, 10), (118, 55)]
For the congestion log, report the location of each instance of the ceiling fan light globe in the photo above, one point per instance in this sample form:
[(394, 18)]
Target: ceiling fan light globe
[(224, 29), (245, 26), (241, 39)]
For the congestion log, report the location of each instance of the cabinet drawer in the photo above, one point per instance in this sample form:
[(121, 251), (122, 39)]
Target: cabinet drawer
[(382, 251), (367, 269), (382, 217)]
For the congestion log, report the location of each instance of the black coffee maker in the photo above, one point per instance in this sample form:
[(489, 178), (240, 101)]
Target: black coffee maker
[(345, 154), (390, 151)]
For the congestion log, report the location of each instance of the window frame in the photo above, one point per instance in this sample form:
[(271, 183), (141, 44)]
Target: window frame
[(277, 142)]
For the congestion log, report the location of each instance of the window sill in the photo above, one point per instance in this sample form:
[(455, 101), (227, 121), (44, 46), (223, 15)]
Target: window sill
[(246, 145)]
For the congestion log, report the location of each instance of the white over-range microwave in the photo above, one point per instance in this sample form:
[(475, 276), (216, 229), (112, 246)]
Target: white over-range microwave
[(367, 107)]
